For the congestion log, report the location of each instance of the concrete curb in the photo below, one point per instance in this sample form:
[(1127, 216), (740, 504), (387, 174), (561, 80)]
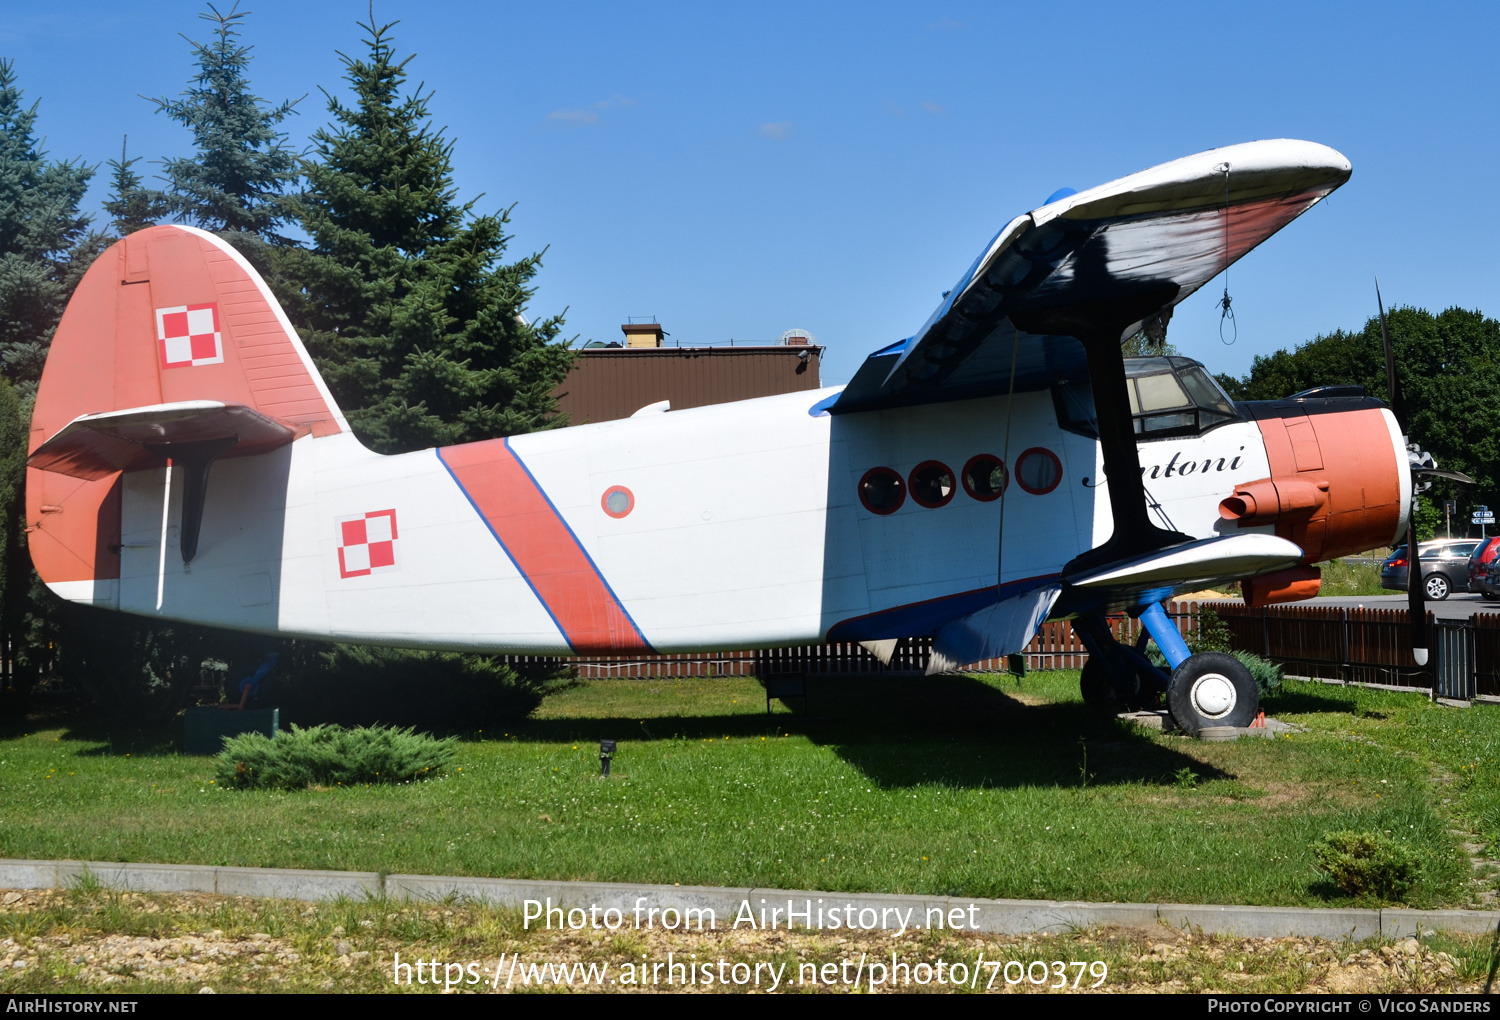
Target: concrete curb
[(1000, 917)]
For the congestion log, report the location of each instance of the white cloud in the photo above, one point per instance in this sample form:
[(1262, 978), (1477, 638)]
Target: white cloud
[(935, 109), (574, 116), (589, 114), (776, 130)]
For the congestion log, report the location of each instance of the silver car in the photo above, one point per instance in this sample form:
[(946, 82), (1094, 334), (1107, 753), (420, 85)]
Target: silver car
[(1444, 562)]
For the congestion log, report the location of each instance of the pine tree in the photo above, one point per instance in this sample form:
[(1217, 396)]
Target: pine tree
[(132, 205), (235, 181), (403, 298), (45, 246), (44, 240)]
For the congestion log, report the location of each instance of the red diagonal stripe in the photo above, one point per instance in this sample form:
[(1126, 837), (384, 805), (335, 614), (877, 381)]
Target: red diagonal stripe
[(543, 547)]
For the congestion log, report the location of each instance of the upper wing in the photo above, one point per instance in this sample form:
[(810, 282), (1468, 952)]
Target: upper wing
[(1174, 226)]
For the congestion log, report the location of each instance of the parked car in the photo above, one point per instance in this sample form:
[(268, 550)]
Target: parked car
[(1444, 563), (1489, 585), (1479, 562)]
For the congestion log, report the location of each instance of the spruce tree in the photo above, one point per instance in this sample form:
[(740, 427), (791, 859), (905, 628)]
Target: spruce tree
[(234, 182), (403, 297), (132, 205), (45, 246), (44, 240)]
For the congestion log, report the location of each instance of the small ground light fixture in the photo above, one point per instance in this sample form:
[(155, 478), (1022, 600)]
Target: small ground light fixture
[(606, 752)]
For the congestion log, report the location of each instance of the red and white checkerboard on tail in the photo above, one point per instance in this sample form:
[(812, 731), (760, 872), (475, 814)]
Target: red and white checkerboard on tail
[(189, 335), (367, 543)]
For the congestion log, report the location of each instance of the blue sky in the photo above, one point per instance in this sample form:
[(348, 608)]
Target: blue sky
[(738, 171)]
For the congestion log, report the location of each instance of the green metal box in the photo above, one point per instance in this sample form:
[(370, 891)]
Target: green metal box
[(206, 728)]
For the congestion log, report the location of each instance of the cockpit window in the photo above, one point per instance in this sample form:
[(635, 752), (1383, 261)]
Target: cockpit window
[(1168, 397), (1206, 392), (1156, 393)]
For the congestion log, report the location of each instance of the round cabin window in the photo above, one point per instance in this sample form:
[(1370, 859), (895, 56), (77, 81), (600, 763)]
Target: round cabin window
[(882, 491), (932, 484), (984, 477), (617, 501), (1038, 470)]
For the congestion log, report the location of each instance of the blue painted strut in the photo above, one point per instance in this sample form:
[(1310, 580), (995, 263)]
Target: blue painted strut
[(1164, 632)]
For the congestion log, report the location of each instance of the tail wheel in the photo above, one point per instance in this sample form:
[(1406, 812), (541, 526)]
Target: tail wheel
[(1436, 587), (1212, 689)]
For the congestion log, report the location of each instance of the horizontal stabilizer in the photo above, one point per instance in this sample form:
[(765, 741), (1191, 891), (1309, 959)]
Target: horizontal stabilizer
[(1227, 556), (94, 446)]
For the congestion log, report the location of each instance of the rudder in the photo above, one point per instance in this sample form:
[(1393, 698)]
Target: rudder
[(165, 316)]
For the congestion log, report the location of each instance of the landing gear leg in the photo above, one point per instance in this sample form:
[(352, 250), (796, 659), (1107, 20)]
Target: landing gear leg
[(1207, 689), (1116, 677)]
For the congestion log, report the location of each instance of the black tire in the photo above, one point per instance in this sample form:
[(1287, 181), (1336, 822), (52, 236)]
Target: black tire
[(1436, 587), (1212, 689), (1100, 691)]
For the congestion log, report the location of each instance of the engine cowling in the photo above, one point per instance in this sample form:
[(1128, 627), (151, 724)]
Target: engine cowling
[(1339, 481)]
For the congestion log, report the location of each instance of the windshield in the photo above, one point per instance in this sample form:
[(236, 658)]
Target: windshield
[(1168, 397)]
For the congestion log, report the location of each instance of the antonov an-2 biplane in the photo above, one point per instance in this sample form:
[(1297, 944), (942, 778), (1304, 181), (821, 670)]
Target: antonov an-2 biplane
[(1003, 466)]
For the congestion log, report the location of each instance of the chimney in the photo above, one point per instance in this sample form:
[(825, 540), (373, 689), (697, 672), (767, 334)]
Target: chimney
[(642, 334)]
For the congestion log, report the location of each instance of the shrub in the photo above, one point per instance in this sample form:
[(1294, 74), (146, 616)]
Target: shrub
[(354, 685), (1367, 863), (1213, 633), (331, 756), (1267, 674)]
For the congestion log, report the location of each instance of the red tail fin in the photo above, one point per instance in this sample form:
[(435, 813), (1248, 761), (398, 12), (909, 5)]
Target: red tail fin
[(167, 315)]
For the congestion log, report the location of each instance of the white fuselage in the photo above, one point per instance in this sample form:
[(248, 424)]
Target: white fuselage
[(746, 528)]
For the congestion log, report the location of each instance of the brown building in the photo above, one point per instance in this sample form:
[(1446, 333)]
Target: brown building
[(616, 381)]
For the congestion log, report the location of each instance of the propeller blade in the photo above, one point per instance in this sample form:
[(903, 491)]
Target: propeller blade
[(1457, 476), (1392, 380), (1416, 603)]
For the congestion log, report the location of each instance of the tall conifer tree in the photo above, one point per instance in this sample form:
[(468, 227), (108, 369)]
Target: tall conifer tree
[(45, 243), (45, 246), (234, 182), (131, 204), (404, 298)]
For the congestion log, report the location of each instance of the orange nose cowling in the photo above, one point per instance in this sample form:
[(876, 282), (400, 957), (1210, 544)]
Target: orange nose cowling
[(1291, 585), (1334, 487)]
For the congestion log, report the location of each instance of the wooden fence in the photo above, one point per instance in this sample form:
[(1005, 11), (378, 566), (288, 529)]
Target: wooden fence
[(1364, 646), (1371, 646), (1056, 646)]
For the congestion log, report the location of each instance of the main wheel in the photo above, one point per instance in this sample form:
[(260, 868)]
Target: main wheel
[(1099, 689), (1212, 689), (1437, 587)]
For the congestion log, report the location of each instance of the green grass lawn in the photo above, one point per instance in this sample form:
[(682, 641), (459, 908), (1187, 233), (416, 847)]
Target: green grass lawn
[(1342, 577), (969, 786)]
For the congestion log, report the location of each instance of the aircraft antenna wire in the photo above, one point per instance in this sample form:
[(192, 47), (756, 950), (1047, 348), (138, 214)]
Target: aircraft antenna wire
[(1161, 511), (1010, 403), (1226, 312)]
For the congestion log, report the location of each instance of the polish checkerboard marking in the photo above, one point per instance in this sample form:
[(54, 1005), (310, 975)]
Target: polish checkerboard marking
[(189, 335), (367, 543)]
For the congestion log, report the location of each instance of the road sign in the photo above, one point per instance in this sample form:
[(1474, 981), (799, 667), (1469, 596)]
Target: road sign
[(1484, 518)]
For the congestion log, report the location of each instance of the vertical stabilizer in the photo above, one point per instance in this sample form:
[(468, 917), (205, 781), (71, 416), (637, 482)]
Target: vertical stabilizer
[(168, 315)]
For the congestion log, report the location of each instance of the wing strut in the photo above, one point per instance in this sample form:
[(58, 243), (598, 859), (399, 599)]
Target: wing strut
[(1099, 326)]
